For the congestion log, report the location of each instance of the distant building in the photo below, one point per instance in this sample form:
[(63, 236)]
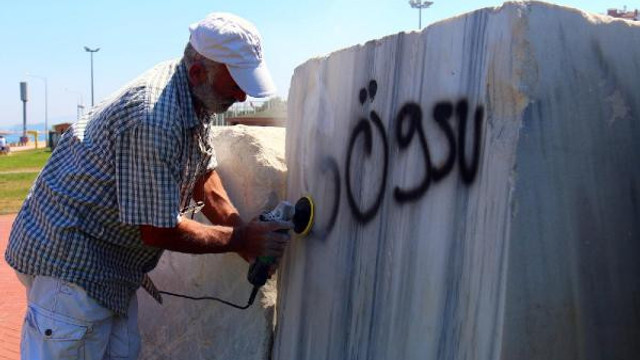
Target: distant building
[(261, 118), (54, 136), (272, 112), (624, 14), (60, 128)]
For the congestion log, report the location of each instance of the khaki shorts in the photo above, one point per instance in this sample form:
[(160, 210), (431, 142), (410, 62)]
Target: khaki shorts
[(63, 322)]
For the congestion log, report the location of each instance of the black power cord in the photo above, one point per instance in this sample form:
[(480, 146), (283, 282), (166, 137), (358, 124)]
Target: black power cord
[(302, 217), (258, 275), (254, 292)]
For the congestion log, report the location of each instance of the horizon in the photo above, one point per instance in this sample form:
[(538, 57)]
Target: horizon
[(52, 38)]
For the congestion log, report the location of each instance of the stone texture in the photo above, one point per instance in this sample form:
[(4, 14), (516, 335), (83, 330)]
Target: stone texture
[(251, 165), (477, 191)]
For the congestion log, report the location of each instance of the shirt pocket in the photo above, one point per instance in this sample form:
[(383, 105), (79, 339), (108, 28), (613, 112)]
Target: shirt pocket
[(92, 227)]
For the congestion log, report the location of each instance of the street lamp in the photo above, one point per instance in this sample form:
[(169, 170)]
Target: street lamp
[(46, 103), (91, 51), (24, 96), (419, 4), (80, 105)]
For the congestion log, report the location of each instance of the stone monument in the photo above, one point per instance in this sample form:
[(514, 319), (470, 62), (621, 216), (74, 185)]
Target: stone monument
[(477, 189)]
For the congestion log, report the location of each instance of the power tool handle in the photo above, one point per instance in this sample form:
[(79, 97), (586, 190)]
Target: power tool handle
[(259, 270)]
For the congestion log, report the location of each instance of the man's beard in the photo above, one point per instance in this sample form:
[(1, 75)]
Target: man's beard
[(209, 101)]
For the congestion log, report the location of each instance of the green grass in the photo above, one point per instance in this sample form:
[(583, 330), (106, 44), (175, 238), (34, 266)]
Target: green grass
[(24, 160), (14, 189), (17, 172)]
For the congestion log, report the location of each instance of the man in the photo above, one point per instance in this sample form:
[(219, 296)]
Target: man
[(3, 145), (118, 190)]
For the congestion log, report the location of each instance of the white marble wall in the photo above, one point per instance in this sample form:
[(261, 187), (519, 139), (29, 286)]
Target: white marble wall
[(477, 188), (251, 165)]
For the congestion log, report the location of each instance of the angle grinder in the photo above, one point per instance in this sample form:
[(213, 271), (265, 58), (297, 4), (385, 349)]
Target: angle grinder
[(301, 215)]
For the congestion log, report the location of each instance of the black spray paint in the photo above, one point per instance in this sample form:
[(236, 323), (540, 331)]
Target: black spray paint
[(409, 127)]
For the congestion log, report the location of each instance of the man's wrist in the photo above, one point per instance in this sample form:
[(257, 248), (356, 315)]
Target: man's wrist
[(236, 242)]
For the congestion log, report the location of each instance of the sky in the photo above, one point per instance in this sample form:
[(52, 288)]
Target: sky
[(43, 39)]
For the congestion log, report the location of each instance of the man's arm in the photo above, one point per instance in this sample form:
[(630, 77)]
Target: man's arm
[(229, 234), (217, 205), (251, 240)]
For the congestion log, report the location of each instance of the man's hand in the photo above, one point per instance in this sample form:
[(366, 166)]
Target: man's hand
[(261, 238)]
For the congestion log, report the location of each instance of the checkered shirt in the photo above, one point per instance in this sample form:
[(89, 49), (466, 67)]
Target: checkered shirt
[(131, 161)]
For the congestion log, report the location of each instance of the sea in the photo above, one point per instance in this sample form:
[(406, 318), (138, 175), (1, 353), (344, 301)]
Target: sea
[(11, 139), (16, 130)]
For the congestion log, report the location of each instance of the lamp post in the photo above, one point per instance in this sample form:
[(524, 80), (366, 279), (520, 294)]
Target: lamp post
[(80, 105), (24, 97), (46, 102), (91, 51), (419, 4)]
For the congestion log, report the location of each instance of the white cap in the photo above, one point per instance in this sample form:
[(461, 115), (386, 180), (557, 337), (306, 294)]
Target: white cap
[(235, 42)]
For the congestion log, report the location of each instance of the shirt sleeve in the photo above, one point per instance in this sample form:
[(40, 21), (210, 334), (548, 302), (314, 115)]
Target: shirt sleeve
[(212, 163), (148, 190)]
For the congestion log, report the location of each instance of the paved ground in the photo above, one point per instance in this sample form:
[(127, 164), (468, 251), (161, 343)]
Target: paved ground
[(12, 299), (29, 146), (12, 295)]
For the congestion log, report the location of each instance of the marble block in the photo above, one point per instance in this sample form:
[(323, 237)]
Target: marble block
[(252, 168), (477, 190)]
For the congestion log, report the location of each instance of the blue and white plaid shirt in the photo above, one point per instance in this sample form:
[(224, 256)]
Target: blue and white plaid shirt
[(132, 161)]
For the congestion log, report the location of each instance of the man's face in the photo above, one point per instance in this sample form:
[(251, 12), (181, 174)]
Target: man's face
[(219, 91)]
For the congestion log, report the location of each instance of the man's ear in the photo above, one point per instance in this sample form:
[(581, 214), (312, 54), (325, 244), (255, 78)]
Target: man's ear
[(197, 74)]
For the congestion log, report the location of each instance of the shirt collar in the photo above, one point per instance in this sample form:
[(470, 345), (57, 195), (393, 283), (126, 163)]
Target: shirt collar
[(184, 96)]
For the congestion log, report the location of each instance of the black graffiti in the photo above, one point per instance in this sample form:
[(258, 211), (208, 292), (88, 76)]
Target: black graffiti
[(330, 164), (370, 92), (441, 114), (408, 127), (469, 172), (413, 114), (364, 127), (373, 89), (363, 96)]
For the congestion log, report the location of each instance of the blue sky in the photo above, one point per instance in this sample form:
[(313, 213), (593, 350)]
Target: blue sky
[(46, 38)]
